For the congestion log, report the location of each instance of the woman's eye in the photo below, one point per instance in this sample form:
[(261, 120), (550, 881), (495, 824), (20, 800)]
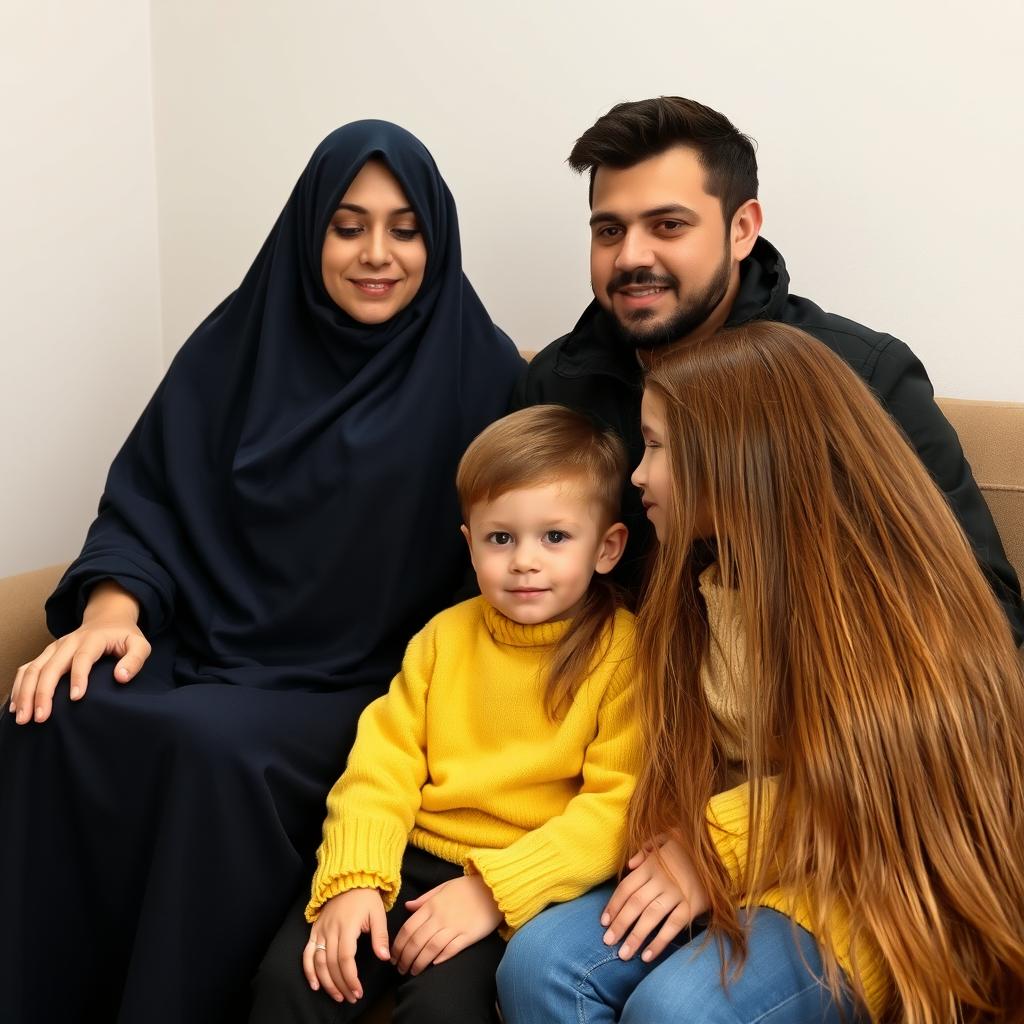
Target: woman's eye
[(652, 444), (347, 230), (500, 537), (556, 536), (405, 234)]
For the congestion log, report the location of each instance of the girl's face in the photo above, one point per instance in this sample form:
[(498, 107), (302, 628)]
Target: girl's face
[(652, 475), (374, 256), (653, 478)]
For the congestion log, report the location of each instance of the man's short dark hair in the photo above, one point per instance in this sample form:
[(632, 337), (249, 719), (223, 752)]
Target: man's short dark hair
[(635, 131)]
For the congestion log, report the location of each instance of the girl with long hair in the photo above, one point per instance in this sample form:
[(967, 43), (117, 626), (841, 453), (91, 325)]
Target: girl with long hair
[(829, 822)]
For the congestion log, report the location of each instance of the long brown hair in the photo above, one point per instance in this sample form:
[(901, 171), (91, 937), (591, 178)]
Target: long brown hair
[(539, 445), (886, 696)]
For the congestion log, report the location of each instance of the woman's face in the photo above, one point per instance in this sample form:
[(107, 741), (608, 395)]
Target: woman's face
[(374, 255)]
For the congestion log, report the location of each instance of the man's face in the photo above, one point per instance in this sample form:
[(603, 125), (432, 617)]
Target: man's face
[(660, 258)]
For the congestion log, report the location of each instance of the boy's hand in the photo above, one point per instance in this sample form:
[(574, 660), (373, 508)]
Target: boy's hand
[(446, 920), (329, 958), (650, 894)]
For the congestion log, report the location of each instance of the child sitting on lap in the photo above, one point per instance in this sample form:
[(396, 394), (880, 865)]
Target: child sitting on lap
[(493, 778)]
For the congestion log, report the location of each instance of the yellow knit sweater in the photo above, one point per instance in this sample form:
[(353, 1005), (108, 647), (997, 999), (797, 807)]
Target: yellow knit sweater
[(460, 759), (726, 686)]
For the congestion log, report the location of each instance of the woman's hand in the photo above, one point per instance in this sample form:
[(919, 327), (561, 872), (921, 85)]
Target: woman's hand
[(110, 625), (446, 920), (653, 893), (329, 958)]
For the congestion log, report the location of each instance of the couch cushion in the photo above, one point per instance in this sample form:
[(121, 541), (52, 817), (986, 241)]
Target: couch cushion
[(24, 633)]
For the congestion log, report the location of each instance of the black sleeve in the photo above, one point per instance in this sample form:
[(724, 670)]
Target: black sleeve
[(112, 552), (536, 384), (524, 392), (114, 548), (903, 386)]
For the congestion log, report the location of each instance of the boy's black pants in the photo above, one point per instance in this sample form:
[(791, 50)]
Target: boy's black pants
[(461, 989)]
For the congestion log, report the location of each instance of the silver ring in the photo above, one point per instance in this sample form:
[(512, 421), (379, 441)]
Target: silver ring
[(319, 945)]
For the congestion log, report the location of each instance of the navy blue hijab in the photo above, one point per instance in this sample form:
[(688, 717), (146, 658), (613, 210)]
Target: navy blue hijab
[(285, 506)]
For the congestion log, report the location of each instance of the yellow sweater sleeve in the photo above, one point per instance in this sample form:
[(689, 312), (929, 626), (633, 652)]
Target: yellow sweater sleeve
[(371, 808), (728, 815), (584, 845), (859, 957)]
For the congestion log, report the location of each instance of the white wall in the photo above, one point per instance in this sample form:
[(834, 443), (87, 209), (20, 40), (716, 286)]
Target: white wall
[(889, 143), (79, 290)]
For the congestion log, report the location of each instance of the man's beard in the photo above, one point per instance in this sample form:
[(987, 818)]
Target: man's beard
[(642, 330)]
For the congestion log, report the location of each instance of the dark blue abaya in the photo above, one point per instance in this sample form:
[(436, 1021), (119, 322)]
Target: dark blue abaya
[(284, 511)]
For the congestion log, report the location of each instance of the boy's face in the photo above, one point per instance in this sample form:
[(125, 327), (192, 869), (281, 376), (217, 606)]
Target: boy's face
[(535, 550)]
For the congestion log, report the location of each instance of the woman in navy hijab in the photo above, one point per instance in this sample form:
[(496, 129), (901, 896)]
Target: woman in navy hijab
[(280, 521)]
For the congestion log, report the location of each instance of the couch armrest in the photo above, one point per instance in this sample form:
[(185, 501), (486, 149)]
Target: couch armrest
[(23, 633), (991, 435)]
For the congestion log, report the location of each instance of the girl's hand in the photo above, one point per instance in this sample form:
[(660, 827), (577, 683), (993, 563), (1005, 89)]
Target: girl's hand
[(446, 920), (109, 626), (338, 927), (650, 894)]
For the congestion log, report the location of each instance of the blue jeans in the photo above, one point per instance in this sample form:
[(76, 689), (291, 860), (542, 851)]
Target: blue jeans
[(557, 969)]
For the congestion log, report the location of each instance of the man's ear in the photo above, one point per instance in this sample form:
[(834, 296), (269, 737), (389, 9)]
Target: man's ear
[(746, 226), (613, 543)]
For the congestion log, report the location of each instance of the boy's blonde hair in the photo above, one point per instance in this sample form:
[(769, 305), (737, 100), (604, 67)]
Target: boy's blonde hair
[(548, 444), (539, 445)]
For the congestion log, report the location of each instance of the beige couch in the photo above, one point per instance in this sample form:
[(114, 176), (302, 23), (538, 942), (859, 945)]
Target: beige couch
[(992, 434)]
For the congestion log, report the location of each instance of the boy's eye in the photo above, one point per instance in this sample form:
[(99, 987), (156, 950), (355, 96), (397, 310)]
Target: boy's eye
[(556, 536), (500, 537)]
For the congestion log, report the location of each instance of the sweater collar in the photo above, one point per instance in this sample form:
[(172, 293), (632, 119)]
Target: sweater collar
[(516, 634)]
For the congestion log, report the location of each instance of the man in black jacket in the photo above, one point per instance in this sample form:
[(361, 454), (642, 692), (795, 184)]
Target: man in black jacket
[(675, 255)]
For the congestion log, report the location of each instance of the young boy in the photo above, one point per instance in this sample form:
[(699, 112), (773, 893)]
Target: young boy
[(493, 778)]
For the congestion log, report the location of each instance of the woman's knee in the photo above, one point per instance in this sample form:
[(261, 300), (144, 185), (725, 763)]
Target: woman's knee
[(558, 962), (558, 942), (779, 981), (526, 972)]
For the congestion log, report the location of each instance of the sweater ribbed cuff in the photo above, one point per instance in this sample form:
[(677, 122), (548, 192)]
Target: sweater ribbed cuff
[(356, 855), (524, 881)]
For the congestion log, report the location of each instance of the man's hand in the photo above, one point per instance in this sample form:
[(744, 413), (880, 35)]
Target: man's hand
[(446, 920), (652, 893), (329, 958)]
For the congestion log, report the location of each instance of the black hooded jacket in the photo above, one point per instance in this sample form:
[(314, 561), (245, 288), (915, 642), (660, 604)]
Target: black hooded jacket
[(590, 369)]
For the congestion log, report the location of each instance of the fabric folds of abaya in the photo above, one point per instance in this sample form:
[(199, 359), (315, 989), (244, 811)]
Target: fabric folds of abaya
[(285, 513)]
